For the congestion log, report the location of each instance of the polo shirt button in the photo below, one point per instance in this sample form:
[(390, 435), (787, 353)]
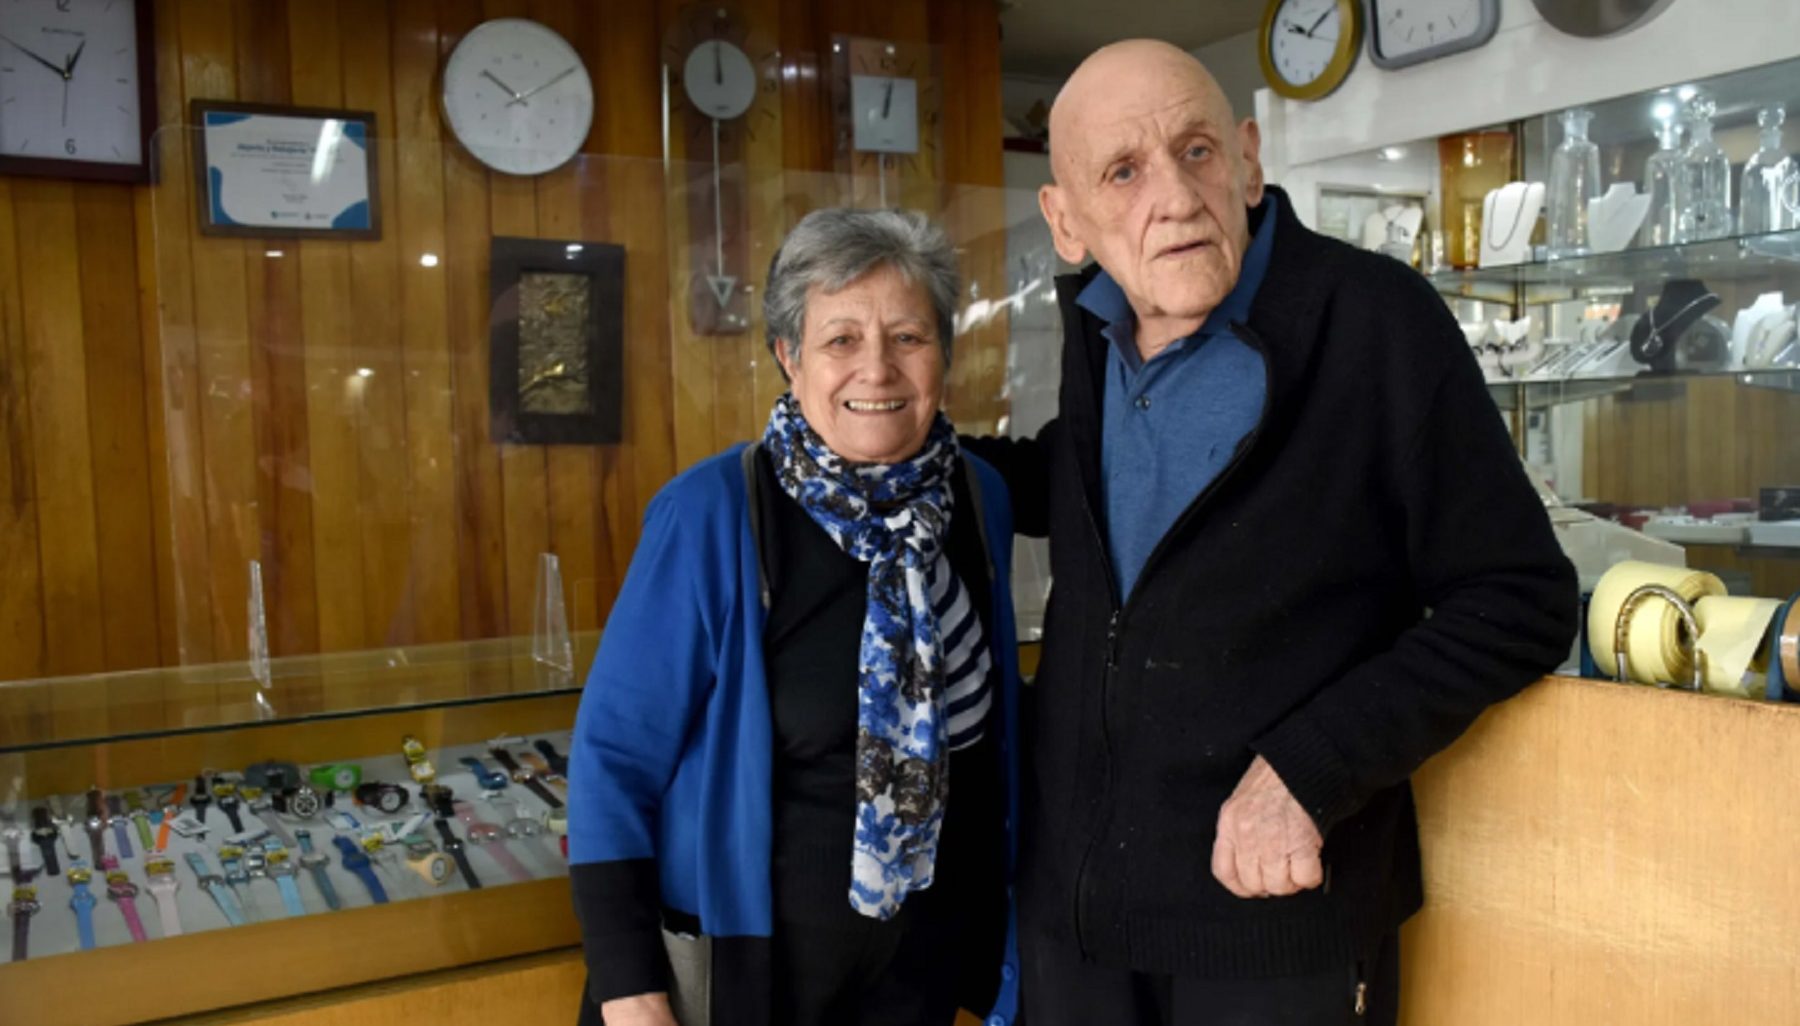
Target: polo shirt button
[(1007, 972), (1143, 402)]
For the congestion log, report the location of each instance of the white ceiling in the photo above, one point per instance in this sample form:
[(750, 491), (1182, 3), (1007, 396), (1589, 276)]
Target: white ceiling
[(1047, 38)]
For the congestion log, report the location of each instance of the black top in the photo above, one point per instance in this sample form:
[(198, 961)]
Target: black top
[(1283, 615), (818, 595)]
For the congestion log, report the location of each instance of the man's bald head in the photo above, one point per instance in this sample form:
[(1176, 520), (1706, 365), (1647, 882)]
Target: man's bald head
[(1154, 179), (1132, 73)]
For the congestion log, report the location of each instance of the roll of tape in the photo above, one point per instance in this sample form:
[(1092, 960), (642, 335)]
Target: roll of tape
[(1654, 638), (1732, 636), (1790, 645)]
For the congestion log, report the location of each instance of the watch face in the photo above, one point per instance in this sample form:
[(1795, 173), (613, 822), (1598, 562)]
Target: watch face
[(304, 803), (518, 97), (69, 82), (390, 799), (720, 80), (434, 867)]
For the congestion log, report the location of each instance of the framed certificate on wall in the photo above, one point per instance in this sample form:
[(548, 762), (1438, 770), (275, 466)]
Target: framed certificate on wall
[(268, 171)]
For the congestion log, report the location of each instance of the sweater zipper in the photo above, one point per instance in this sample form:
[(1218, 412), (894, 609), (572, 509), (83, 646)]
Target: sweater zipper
[(1122, 605)]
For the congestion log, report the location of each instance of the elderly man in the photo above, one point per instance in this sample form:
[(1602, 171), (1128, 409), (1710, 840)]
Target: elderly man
[(1294, 556)]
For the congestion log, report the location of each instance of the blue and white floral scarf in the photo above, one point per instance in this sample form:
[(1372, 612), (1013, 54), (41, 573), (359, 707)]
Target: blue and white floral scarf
[(896, 518)]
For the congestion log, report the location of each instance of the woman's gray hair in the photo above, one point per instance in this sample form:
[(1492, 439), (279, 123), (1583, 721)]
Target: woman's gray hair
[(833, 247)]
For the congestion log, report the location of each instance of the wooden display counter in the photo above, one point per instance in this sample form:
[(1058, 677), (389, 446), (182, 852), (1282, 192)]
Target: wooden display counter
[(1595, 855)]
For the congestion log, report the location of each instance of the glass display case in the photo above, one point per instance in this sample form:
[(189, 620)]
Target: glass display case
[(363, 816), (1637, 330)]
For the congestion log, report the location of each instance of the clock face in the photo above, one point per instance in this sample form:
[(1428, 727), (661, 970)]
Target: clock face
[(517, 96), (720, 79), (1304, 39), (886, 110), (69, 81), (1403, 32)]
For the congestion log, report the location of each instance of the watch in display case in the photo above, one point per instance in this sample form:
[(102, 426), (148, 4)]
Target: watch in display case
[(45, 835), (491, 838), (226, 796), (96, 825), (159, 878), (423, 858), (521, 775), (418, 765), (559, 763), (82, 902), (544, 772), (300, 802), (237, 878), (13, 837), (490, 780), (23, 906), (390, 799), (454, 846), (279, 864), (342, 776), (123, 893), (115, 815), (214, 886), (317, 863), (200, 797), (357, 862)]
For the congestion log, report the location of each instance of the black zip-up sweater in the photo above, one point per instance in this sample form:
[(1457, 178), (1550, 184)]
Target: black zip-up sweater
[(1370, 571)]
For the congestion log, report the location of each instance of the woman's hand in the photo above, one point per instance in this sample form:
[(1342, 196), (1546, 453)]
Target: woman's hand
[(638, 1010)]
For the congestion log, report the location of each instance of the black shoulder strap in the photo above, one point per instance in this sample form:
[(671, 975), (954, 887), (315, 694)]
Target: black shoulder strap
[(752, 494)]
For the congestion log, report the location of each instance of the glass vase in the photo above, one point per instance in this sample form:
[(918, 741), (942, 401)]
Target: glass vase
[(1767, 203), (1574, 180)]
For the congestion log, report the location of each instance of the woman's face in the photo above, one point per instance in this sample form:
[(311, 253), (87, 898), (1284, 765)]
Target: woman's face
[(870, 373)]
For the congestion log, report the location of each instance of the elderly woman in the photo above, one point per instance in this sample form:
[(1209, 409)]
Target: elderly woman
[(791, 782)]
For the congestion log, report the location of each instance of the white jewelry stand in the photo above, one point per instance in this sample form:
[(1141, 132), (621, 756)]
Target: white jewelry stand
[(1393, 230), (1508, 216), (1747, 321), (1613, 219)]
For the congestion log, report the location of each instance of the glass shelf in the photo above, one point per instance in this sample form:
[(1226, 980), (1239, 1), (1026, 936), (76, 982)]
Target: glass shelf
[(1541, 393), (1732, 259)]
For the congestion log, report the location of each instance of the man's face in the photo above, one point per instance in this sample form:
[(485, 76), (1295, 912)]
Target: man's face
[(1154, 181)]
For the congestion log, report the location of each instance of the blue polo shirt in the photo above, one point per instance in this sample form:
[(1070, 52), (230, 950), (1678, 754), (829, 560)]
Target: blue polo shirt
[(1171, 425)]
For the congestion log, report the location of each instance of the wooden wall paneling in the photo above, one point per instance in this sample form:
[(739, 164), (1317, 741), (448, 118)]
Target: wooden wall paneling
[(222, 358), (417, 218), (764, 146), (629, 134), (480, 518), (694, 361), (172, 360), (512, 211), (278, 369), (376, 341), (969, 62), (571, 471), (105, 223), (332, 411), (68, 542), (24, 712)]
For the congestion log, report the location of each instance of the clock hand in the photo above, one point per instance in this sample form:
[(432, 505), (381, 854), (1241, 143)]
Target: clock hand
[(529, 93), (509, 89), (60, 72), (718, 63), (69, 70), (1321, 21), (887, 102)]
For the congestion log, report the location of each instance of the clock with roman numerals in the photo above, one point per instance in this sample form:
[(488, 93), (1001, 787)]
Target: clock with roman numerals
[(77, 88)]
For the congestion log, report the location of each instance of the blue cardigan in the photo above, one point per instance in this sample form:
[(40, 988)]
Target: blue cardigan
[(673, 745)]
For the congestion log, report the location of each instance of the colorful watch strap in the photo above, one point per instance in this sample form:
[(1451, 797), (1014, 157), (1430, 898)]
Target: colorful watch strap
[(290, 894), (82, 901), (21, 937), (494, 845), (508, 861), (454, 846), (214, 886), (320, 874), (169, 913), (141, 820), (357, 862), (134, 924), (122, 836)]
